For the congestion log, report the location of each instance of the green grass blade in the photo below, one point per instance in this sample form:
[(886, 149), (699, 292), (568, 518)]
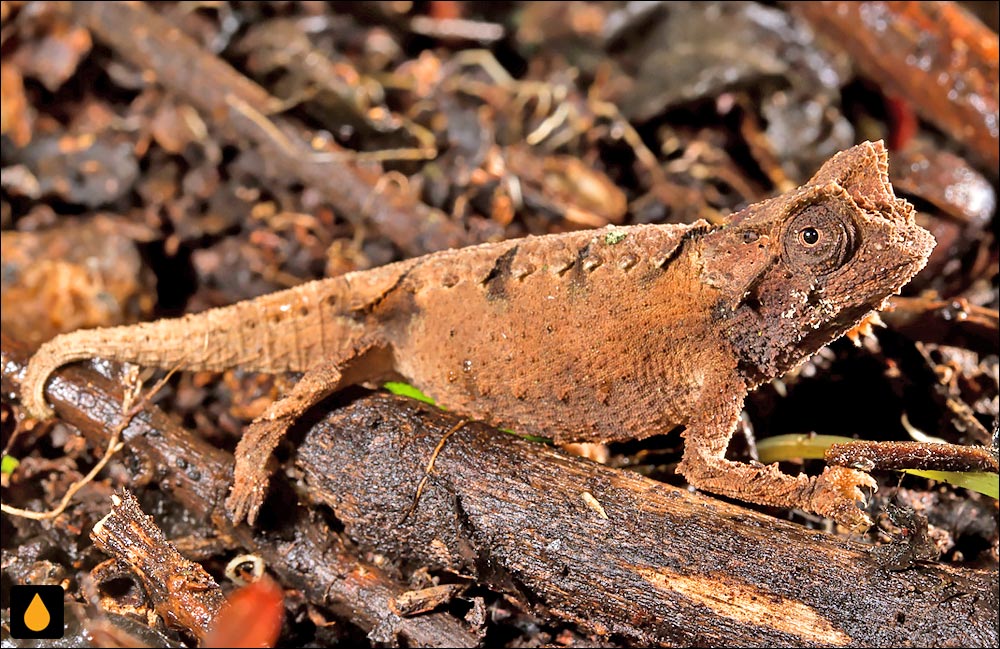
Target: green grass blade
[(984, 483), (782, 448)]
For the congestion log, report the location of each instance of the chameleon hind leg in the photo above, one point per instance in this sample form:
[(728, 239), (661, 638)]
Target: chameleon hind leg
[(251, 475)]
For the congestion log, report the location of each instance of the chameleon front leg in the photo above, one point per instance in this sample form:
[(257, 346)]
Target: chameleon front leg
[(835, 493), (251, 475)]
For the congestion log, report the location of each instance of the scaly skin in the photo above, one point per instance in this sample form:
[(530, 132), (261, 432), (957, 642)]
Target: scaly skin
[(604, 335)]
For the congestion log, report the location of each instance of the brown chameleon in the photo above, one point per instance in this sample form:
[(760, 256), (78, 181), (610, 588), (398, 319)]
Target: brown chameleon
[(614, 334)]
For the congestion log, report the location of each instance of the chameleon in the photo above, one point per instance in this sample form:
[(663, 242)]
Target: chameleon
[(595, 335)]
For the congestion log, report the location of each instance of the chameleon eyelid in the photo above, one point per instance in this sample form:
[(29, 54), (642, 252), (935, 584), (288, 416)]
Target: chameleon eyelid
[(835, 238)]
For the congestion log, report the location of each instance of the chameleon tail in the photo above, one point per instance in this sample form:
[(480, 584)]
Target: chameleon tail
[(291, 330)]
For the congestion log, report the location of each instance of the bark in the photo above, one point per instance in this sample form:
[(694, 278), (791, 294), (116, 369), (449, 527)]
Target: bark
[(638, 558), (297, 546), (182, 592)]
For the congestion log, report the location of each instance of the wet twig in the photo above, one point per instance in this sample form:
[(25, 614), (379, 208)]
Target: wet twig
[(182, 592)]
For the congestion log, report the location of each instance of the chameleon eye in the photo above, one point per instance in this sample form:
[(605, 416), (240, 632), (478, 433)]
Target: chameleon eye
[(819, 237), (810, 236)]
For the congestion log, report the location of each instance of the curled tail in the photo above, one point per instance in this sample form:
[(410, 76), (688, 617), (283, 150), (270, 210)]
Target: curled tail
[(290, 330)]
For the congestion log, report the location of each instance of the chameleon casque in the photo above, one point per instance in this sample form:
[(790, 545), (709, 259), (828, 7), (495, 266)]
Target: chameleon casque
[(604, 335)]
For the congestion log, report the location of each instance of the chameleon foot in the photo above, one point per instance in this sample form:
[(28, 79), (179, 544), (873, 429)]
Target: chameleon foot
[(251, 475), (245, 500), (836, 493)]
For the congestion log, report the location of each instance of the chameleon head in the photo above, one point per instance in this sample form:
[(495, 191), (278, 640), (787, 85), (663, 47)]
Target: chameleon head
[(814, 262)]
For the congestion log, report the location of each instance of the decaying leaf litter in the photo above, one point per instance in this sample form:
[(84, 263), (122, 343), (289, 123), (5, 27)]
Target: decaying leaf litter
[(222, 191)]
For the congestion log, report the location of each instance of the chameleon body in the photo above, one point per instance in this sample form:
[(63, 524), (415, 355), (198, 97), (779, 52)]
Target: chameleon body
[(600, 335)]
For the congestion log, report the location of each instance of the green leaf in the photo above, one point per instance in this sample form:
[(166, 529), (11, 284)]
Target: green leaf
[(782, 448), (9, 464), (407, 390), (528, 438), (984, 483)]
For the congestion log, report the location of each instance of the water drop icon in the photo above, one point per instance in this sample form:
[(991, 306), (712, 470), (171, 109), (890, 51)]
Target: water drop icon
[(36, 616)]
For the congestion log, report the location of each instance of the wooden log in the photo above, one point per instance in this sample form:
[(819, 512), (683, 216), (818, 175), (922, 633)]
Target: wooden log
[(618, 553), (298, 546)]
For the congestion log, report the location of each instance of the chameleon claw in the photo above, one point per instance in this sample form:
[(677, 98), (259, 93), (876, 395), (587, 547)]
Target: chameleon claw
[(252, 473), (244, 503), (836, 494), (248, 491)]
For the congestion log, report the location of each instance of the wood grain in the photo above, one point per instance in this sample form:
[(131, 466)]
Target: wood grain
[(666, 566)]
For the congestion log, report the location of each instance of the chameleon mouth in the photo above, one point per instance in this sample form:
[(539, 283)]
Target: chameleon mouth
[(893, 257), (911, 244)]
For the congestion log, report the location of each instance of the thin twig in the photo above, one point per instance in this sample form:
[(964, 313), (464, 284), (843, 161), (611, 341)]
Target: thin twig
[(113, 447), (430, 466)]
